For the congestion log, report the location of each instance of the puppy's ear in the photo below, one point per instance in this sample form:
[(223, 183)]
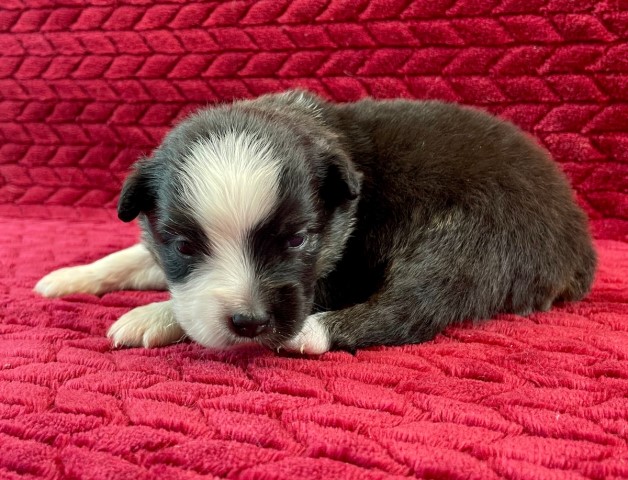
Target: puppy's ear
[(342, 181), (137, 195)]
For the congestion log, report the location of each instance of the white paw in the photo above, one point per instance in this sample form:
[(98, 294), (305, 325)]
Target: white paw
[(81, 279), (313, 339), (149, 326)]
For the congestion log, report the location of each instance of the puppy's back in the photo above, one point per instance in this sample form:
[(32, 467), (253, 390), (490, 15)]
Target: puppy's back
[(476, 195)]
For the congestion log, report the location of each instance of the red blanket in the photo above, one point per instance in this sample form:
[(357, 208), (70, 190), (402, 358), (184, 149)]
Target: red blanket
[(86, 88)]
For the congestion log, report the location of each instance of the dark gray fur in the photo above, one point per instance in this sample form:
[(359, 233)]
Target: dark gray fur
[(421, 214)]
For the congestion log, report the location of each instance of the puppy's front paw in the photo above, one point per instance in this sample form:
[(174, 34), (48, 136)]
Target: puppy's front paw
[(65, 281), (313, 339), (149, 326)]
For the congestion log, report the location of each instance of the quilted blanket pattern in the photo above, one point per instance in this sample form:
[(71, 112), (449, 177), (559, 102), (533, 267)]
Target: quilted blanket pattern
[(87, 86)]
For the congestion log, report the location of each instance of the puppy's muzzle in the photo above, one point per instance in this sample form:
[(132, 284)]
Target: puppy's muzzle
[(248, 325)]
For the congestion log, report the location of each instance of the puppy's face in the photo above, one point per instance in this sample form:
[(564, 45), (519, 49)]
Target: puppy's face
[(246, 213)]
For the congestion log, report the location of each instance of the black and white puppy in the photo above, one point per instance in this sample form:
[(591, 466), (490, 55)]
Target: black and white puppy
[(310, 226)]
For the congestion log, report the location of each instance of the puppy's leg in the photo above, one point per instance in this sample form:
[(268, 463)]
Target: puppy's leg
[(407, 309), (148, 326), (314, 337), (378, 322), (133, 268)]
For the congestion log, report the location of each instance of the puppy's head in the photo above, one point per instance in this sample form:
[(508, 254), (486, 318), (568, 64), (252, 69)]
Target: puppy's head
[(247, 206)]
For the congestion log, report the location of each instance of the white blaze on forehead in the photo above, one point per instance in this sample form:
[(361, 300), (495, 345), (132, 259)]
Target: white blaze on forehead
[(230, 185)]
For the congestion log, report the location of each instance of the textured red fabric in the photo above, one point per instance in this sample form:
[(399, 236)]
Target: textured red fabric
[(87, 86)]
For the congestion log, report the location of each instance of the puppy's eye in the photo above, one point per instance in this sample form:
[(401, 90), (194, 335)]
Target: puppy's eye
[(184, 247), (295, 241)]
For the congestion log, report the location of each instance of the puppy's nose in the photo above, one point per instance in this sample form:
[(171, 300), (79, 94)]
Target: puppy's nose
[(249, 326)]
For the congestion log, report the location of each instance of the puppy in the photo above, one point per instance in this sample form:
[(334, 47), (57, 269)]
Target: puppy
[(310, 226)]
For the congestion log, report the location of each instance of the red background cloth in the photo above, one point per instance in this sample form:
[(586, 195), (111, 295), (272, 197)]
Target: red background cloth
[(86, 88)]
